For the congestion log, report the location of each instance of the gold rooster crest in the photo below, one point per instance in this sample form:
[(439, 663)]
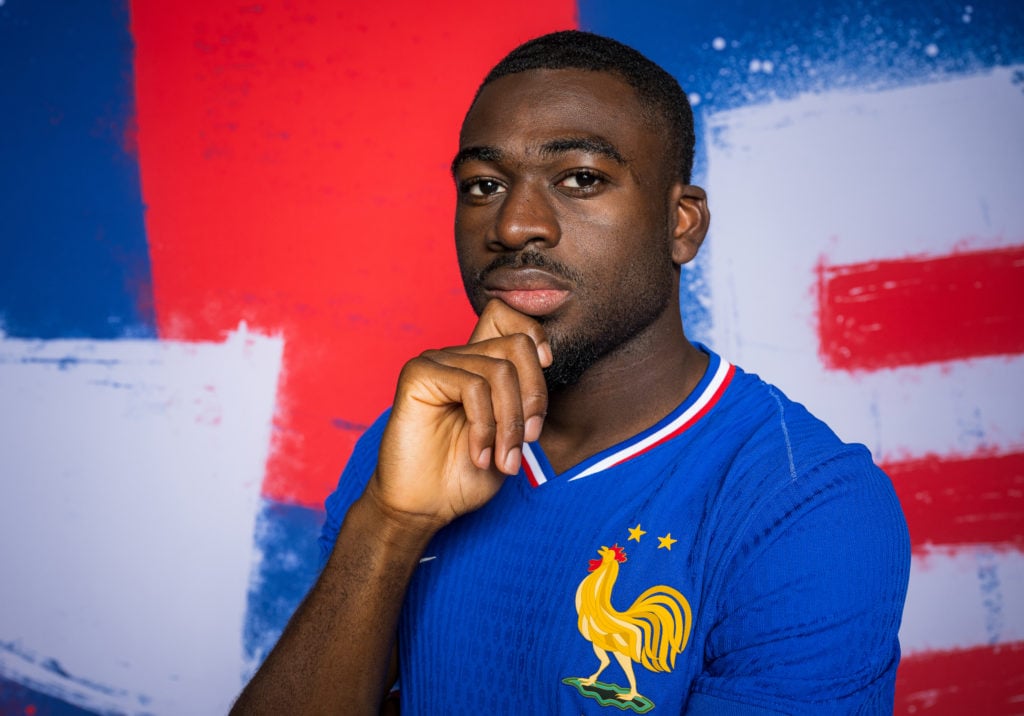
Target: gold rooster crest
[(652, 632)]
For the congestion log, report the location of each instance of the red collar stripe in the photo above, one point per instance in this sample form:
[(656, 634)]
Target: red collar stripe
[(532, 468)]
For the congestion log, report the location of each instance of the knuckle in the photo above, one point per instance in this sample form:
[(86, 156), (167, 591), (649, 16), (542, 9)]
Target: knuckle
[(505, 369), (525, 347), (523, 343), (477, 384), (484, 426), (412, 367), (514, 426)]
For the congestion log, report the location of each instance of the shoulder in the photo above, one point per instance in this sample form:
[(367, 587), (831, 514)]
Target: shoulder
[(351, 484), (789, 474), (765, 423), (811, 564), (773, 450)]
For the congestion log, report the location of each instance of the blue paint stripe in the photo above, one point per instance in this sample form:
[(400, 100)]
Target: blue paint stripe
[(18, 699), (738, 52), (73, 253), (812, 46), (286, 536)]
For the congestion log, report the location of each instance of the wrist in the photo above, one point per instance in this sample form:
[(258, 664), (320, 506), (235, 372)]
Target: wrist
[(406, 531)]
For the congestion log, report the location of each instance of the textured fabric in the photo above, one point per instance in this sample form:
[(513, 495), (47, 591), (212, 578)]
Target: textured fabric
[(739, 523)]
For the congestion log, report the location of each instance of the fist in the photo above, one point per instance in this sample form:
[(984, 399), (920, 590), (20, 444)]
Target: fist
[(460, 417)]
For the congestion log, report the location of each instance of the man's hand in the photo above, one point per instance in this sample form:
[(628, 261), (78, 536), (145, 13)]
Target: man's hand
[(460, 418)]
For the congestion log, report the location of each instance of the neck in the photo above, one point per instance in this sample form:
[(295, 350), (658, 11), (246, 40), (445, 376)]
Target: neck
[(622, 394)]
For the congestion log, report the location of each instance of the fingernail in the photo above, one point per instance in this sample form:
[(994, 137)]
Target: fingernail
[(512, 460), (544, 354), (485, 458), (533, 428)]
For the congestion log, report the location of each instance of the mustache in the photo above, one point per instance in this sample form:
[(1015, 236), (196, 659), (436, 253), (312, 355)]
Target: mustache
[(529, 259)]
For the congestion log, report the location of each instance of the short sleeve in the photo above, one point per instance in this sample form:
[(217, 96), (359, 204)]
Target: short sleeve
[(807, 616), (351, 484)]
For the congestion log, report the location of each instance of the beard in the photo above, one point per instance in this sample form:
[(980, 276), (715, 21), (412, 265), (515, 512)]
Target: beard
[(612, 319), (572, 356), (610, 328)]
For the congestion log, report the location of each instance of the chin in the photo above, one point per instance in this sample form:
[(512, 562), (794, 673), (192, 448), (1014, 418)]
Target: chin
[(572, 357)]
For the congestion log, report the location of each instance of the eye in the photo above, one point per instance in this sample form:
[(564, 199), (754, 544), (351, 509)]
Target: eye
[(581, 179), (482, 187)]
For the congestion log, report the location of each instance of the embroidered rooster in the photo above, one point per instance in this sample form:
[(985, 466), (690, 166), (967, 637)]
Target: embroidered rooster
[(651, 632)]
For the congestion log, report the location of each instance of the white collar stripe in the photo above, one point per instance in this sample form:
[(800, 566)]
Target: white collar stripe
[(532, 468)]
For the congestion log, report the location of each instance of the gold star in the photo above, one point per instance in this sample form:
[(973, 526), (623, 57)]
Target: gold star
[(666, 542), (636, 533)]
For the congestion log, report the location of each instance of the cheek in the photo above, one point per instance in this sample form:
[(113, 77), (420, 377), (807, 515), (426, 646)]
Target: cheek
[(471, 220), (461, 229), (468, 236), (471, 228), (616, 244)]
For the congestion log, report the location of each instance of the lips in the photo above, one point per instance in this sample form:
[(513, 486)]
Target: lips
[(528, 290)]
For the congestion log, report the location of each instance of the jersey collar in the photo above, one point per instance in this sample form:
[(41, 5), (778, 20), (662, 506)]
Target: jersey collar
[(708, 391)]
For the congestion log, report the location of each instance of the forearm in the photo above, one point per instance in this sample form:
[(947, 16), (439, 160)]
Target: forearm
[(333, 655), (454, 432)]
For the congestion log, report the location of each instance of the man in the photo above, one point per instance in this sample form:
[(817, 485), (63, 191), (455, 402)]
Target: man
[(579, 511)]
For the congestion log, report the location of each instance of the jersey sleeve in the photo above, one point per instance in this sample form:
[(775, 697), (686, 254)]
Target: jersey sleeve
[(351, 484), (807, 615)]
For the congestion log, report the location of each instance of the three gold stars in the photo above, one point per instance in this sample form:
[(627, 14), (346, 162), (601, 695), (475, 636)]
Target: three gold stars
[(666, 542)]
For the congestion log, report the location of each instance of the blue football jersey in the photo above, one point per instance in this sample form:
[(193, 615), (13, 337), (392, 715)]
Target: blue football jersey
[(736, 557)]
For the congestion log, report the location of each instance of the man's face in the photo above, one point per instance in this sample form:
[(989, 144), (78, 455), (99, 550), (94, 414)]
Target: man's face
[(564, 211)]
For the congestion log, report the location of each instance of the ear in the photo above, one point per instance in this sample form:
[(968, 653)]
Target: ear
[(692, 219)]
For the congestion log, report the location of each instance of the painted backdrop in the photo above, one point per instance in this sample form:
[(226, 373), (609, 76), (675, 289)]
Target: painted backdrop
[(224, 226)]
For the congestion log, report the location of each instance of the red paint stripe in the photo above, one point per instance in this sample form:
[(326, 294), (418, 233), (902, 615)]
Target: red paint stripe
[(985, 680), (294, 167), (962, 500), (883, 314)]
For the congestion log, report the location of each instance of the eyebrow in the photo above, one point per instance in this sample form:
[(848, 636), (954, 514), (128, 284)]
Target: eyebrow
[(479, 154), (591, 145), (554, 147)]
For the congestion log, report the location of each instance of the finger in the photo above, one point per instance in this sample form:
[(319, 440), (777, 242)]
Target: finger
[(499, 319), (503, 382), (533, 391), (425, 381)]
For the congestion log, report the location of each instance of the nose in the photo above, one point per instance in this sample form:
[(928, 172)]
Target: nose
[(526, 216)]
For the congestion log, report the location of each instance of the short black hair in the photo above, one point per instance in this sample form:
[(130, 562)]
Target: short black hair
[(660, 94)]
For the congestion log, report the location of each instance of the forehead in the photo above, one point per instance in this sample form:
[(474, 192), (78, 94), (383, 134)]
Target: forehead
[(526, 109)]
